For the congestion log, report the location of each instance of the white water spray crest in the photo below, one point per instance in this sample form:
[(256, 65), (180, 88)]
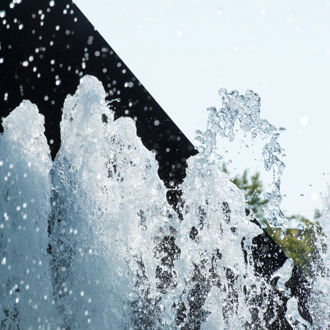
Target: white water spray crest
[(25, 290), (244, 110)]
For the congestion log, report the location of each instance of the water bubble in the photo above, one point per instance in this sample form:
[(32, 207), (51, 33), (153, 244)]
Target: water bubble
[(129, 84)]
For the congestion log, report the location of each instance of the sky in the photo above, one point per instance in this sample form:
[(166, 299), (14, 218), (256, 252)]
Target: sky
[(184, 51)]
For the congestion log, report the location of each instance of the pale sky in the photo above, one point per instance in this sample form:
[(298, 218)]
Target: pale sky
[(184, 51)]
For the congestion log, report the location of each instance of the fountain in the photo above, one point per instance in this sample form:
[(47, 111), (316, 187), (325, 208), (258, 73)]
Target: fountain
[(117, 221)]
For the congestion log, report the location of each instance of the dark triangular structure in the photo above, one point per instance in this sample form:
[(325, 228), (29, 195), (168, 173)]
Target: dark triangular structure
[(47, 46), (63, 46)]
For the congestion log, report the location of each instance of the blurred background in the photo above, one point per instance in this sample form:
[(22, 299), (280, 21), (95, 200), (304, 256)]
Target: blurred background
[(184, 51)]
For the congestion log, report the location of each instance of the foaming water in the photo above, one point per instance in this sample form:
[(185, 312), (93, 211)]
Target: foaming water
[(26, 297), (89, 241)]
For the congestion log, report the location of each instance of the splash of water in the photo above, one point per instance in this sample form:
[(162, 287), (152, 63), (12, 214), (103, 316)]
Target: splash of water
[(109, 207), (320, 298), (116, 254), (244, 110), (25, 287)]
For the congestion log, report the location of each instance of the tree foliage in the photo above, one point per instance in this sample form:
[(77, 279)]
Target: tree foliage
[(300, 241)]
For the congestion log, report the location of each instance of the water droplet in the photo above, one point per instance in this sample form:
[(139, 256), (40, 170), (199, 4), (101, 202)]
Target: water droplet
[(179, 33), (304, 121), (315, 196), (263, 12)]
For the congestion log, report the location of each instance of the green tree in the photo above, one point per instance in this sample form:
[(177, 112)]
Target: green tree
[(253, 189), (298, 243)]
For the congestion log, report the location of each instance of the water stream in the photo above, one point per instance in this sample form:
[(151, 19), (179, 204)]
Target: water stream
[(89, 241)]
